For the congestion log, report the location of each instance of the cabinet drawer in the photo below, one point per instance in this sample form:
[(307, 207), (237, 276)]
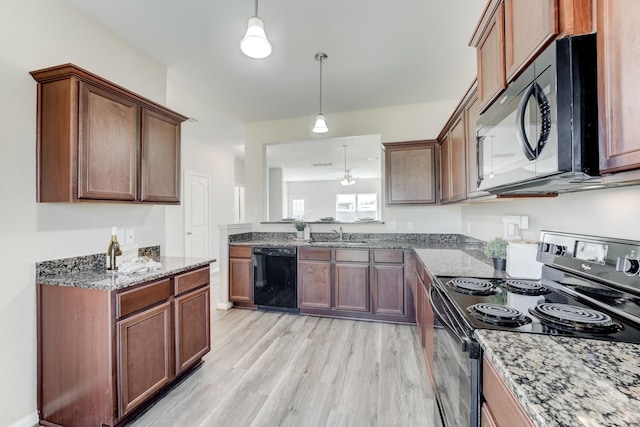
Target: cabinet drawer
[(388, 255), (352, 255), (314, 254), (239, 251), (128, 302), (191, 280)]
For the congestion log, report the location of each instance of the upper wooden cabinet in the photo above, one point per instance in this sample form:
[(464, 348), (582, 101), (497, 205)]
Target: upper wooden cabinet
[(511, 33), (99, 141), (453, 174), (471, 114), (410, 173), (618, 85)]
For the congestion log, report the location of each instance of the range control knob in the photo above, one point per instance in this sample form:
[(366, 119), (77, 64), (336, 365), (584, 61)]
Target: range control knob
[(559, 250), (545, 247), (628, 266)]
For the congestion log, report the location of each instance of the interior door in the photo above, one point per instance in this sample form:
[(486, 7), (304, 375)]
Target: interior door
[(196, 215)]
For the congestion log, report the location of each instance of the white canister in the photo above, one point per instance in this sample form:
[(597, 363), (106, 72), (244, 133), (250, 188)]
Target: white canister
[(521, 260)]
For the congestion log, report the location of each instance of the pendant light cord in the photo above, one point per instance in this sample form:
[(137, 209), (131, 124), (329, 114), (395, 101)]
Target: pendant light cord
[(256, 8), (320, 109)]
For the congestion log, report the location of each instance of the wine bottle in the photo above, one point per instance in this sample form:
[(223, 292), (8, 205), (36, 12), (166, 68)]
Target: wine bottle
[(113, 250)]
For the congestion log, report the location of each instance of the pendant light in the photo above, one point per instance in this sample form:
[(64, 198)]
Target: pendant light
[(321, 126), (254, 44), (348, 179)]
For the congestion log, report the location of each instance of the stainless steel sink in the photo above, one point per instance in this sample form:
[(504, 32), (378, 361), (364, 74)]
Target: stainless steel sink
[(341, 243)]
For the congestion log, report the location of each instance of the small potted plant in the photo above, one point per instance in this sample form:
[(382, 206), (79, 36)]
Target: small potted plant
[(300, 226), (497, 249)]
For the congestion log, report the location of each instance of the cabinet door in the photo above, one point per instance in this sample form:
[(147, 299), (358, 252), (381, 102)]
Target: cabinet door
[(491, 74), (351, 287), (160, 158), (528, 26), (618, 84), (144, 356), (410, 173), (445, 169), (388, 289), (192, 311), (107, 148), (240, 280), (471, 114), (314, 284), (458, 168)]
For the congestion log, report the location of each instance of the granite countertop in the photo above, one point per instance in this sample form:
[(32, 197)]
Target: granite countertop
[(102, 279), (568, 382), (456, 262)]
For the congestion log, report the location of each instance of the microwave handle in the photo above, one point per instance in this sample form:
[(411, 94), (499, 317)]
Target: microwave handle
[(545, 113)]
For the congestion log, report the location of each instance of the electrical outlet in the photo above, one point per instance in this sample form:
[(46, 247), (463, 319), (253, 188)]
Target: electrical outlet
[(409, 225), (130, 237)]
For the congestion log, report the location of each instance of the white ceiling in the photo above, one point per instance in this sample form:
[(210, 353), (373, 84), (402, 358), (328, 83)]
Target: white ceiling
[(380, 52)]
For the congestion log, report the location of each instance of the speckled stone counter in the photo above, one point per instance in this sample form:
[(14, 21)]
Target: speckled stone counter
[(83, 275), (455, 262), (568, 382)]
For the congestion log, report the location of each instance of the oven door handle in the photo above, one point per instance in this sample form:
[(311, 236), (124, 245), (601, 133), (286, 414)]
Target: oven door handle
[(465, 342)]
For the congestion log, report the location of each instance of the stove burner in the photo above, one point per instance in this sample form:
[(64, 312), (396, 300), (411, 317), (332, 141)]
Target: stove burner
[(573, 318), (526, 287), (600, 292), (471, 286), (497, 314)]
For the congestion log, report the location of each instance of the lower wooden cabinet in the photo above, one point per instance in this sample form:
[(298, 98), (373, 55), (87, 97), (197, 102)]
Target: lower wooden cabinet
[(241, 275), (103, 354), (314, 278), (354, 283), (144, 344), (424, 315), (499, 407), (192, 323)]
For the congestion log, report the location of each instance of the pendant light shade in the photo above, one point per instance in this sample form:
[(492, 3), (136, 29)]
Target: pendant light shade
[(254, 44), (321, 125)]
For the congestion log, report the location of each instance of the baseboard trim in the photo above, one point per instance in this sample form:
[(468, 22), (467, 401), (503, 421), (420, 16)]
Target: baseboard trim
[(224, 305), (30, 420)]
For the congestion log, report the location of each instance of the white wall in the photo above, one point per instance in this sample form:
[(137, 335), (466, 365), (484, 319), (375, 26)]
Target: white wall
[(609, 213), (37, 34), (403, 123)]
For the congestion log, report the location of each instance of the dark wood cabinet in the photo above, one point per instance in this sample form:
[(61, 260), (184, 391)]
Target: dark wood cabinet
[(241, 276), (355, 283), (107, 147), (97, 141), (490, 45), (453, 171), (192, 323), (144, 344), (388, 286), (500, 407), (410, 173), (471, 114), (511, 33), (102, 354), (618, 84), (314, 278), (424, 315), (160, 158)]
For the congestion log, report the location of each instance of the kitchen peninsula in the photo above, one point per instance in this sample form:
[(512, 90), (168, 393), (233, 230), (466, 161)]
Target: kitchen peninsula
[(109, 343)]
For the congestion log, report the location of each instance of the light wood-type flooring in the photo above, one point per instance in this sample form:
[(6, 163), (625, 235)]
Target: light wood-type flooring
[(275, 369)]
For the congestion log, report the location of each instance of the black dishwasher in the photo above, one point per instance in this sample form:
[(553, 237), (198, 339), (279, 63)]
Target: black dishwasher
[(274, 279)]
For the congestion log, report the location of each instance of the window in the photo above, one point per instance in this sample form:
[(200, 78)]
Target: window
[(357, 207)]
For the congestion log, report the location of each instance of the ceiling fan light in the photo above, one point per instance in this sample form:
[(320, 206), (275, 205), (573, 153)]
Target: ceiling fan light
[(320, 126), (254, 44), (347, 180)]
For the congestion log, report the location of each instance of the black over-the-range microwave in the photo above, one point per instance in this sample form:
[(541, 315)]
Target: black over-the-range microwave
[(541, 134)]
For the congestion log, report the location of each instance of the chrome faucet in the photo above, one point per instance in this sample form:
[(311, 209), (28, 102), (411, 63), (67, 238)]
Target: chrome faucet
[(339, 233)]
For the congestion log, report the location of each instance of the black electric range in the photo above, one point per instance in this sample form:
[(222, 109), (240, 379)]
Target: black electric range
[(590, 288)]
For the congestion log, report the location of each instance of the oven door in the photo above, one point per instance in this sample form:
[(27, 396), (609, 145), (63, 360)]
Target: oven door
[(456, 366)]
